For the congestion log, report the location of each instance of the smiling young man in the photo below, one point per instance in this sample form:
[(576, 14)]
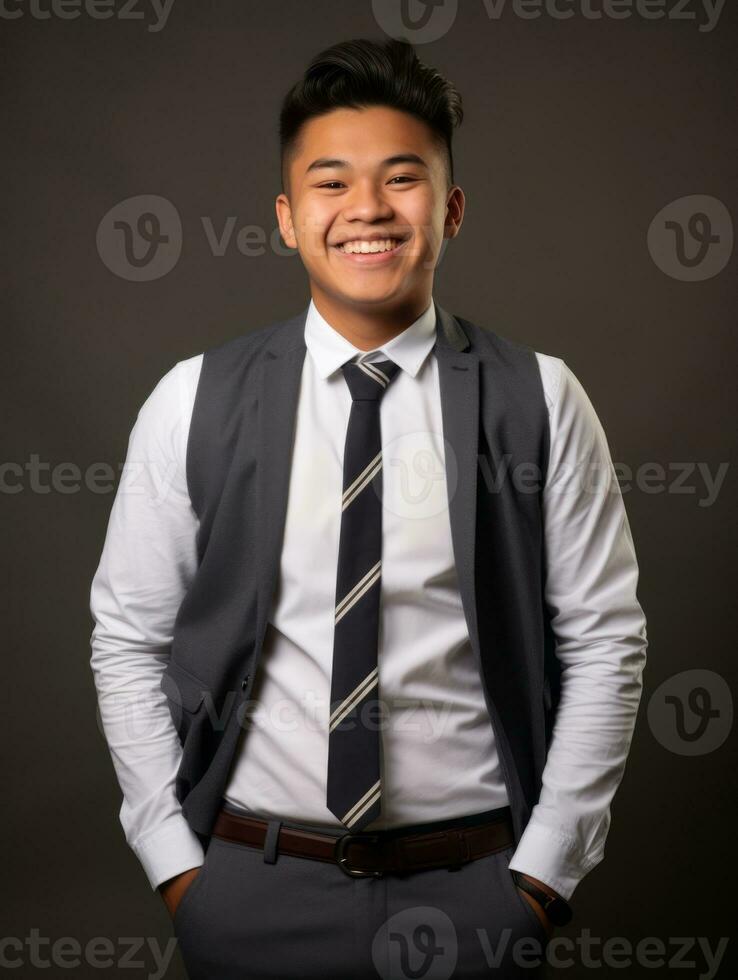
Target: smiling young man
[(369, 216), (383, 623)]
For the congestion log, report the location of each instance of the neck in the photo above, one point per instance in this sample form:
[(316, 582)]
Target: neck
[(367, 329)]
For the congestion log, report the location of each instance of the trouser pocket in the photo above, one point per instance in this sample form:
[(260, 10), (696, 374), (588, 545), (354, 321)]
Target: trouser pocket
[(540, 930), (180, 913)]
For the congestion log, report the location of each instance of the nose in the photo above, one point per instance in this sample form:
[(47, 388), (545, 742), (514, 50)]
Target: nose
[(366, 202)]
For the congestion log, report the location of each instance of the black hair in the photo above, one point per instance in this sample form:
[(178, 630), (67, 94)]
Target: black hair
[(361, 73)]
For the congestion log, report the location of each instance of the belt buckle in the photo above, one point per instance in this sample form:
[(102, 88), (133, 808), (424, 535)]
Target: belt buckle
[(342, 860)]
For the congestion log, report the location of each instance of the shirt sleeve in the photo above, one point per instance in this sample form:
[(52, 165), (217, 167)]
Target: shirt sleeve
[(147, 563), (600, 630)]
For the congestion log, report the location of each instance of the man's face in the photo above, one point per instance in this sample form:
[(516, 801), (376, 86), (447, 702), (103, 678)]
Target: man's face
[(361, 176)]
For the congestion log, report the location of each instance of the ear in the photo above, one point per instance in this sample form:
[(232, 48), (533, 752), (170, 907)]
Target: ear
[(455, 204), (284, 217)]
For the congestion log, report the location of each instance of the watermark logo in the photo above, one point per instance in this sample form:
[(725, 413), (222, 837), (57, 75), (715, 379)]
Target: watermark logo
[(416, 942), (691, 239), (421, 475), (691, 713), (140, 239), (420, 21)]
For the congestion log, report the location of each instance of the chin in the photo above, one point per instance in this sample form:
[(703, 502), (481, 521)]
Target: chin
[(368, 296)]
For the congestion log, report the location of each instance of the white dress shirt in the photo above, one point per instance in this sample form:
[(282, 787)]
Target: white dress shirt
[(439, 753)]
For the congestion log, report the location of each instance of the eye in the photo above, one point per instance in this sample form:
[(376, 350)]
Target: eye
[(402, 177), (330, 182)]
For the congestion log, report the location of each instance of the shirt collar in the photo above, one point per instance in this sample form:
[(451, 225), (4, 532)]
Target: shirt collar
[(330, 350)]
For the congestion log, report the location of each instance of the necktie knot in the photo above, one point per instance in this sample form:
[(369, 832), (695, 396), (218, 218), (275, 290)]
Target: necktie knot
[(368, 380)]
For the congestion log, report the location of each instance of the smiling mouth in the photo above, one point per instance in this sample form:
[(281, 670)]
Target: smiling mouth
[(377, 247)]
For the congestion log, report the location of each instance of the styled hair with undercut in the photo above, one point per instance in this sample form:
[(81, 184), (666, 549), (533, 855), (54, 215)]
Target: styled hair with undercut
[(361, 73)]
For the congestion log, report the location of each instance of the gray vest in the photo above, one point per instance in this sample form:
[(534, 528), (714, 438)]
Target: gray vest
[(238, 464)]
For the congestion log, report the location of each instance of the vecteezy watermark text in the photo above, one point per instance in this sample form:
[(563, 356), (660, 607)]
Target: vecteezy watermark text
[(94, 9), (425, 941), (101, 952), (424, 21), (610, 10), (156, 479)]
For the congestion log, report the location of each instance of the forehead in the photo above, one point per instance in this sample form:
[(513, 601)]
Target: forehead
[(364, 137)]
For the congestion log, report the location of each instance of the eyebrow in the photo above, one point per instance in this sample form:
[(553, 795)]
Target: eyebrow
[(324, 163)]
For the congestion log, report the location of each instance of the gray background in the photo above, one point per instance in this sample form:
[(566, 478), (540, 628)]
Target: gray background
[(577, 133)]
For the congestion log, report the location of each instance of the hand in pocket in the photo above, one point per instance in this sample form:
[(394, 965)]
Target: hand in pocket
[(538, 909), (174, 889)]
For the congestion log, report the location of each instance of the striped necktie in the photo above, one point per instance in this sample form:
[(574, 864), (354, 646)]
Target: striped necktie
[(354, 781)]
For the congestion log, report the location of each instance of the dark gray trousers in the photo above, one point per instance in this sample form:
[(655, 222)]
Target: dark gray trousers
[(254, 914)]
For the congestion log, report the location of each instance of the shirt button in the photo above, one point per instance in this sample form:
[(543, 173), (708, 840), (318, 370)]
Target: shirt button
[(245, 682)]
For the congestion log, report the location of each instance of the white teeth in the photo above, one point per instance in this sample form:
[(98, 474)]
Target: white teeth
[(382, 245)]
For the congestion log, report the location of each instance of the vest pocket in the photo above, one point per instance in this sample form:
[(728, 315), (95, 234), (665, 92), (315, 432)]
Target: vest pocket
[(182, 687), (185, 694)]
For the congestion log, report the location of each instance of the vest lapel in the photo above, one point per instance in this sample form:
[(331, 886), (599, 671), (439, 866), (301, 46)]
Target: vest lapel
[(458, 372), (279, 387)]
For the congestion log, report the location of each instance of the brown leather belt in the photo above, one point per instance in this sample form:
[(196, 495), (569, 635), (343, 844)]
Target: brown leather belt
[(375, 854)]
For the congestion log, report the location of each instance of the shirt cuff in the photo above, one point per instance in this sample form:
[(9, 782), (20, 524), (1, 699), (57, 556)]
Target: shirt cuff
[(553, 859), (169, 851)]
